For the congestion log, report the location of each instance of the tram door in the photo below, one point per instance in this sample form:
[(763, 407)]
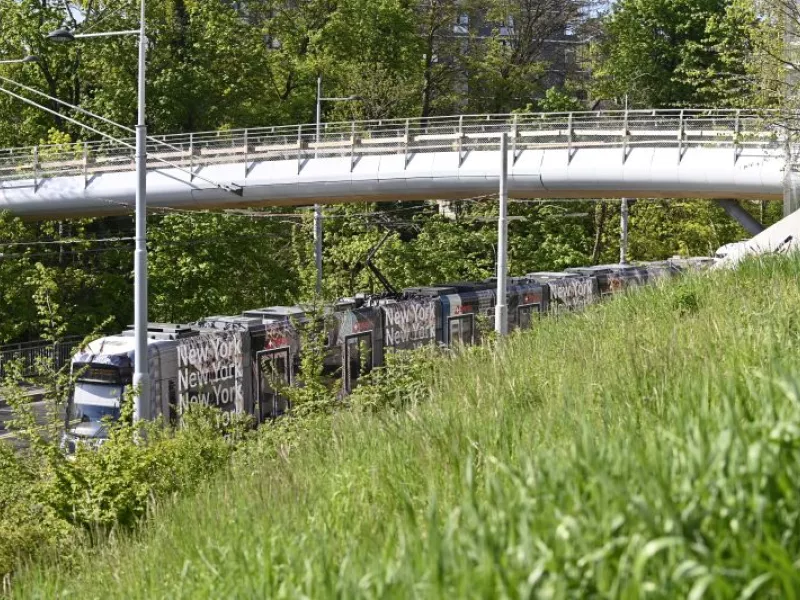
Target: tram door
[(526, 314), (358, 358), (273, 370), (462, 330)]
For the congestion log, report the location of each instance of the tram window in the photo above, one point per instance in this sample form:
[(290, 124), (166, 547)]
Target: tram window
[(462, 330)]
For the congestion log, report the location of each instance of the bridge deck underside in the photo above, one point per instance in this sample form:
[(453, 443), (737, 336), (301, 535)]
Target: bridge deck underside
[(564, 156)]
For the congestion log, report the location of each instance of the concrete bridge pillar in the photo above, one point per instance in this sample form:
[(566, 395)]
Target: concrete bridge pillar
[(791, 191), (745, 219), (791, 178)]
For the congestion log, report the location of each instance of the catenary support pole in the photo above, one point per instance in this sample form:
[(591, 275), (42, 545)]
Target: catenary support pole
[(141, 375), (623, 233), (501, 310), (318, 207)]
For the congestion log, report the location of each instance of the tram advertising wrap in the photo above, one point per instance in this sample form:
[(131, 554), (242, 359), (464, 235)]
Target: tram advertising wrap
[(211, 371)]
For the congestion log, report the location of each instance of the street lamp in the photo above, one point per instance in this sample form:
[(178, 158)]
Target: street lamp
[(318, 207), (141, 375), (27, 59)]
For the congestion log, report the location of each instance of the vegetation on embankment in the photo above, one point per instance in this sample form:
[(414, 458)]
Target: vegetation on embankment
[(650, 445)]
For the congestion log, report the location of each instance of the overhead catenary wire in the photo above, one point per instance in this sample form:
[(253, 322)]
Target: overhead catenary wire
[(234, 189), (116, 239), (128, 248), (75, 241), (86, 112), (254, 214), (282, 217)]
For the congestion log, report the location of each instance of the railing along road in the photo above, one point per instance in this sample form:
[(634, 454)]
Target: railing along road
[(31, 353)]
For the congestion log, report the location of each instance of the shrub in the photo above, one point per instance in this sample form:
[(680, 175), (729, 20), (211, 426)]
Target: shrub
[(48, 499)]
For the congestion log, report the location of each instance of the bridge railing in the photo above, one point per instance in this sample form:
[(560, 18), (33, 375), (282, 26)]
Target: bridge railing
[(674, 128)]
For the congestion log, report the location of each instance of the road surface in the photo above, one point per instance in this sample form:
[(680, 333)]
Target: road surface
[(40, 410)]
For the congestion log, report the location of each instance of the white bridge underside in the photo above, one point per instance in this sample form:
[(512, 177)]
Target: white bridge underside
[(591, 173), (638, 154)]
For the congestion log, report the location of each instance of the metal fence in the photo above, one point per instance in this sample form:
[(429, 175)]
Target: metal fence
[(736, 129), (31, 353)]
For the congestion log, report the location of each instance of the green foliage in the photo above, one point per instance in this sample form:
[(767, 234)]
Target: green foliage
[(427, 248), (559, 100), (16, 311), (312, 392), (509, 80), (112, 486), (508, 68), (27, 527), (83, 286), (559, 464), (677, 53), (49, 501), (204, 263), (685, 300), (404, 380), (659, 229)]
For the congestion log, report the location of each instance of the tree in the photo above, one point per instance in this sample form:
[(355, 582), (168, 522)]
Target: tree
[(205, 263), (774, 64), (509, 64), (17, 312), (22, 30), (664, 53), (89, 281), (442, 55)]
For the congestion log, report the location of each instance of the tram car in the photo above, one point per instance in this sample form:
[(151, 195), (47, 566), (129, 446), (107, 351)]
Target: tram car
[(613, 279), (187, 365), (239, 363), (567, 292)]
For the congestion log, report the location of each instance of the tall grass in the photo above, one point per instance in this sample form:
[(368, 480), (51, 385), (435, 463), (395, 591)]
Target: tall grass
[(650, 446)]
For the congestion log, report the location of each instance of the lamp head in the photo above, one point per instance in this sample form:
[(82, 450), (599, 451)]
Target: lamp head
[(61, 35), (30, 59)]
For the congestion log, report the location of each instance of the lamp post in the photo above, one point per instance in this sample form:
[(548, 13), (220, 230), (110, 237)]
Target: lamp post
[(318, 207), (141, 374)]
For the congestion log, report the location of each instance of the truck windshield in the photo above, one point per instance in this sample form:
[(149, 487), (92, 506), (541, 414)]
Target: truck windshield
[(94, 401)]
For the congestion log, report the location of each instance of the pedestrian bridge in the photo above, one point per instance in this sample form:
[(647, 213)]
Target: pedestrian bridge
[(642, 153)]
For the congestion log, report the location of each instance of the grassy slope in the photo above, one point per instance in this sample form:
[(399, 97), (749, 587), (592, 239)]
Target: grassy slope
[(652, 444)]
